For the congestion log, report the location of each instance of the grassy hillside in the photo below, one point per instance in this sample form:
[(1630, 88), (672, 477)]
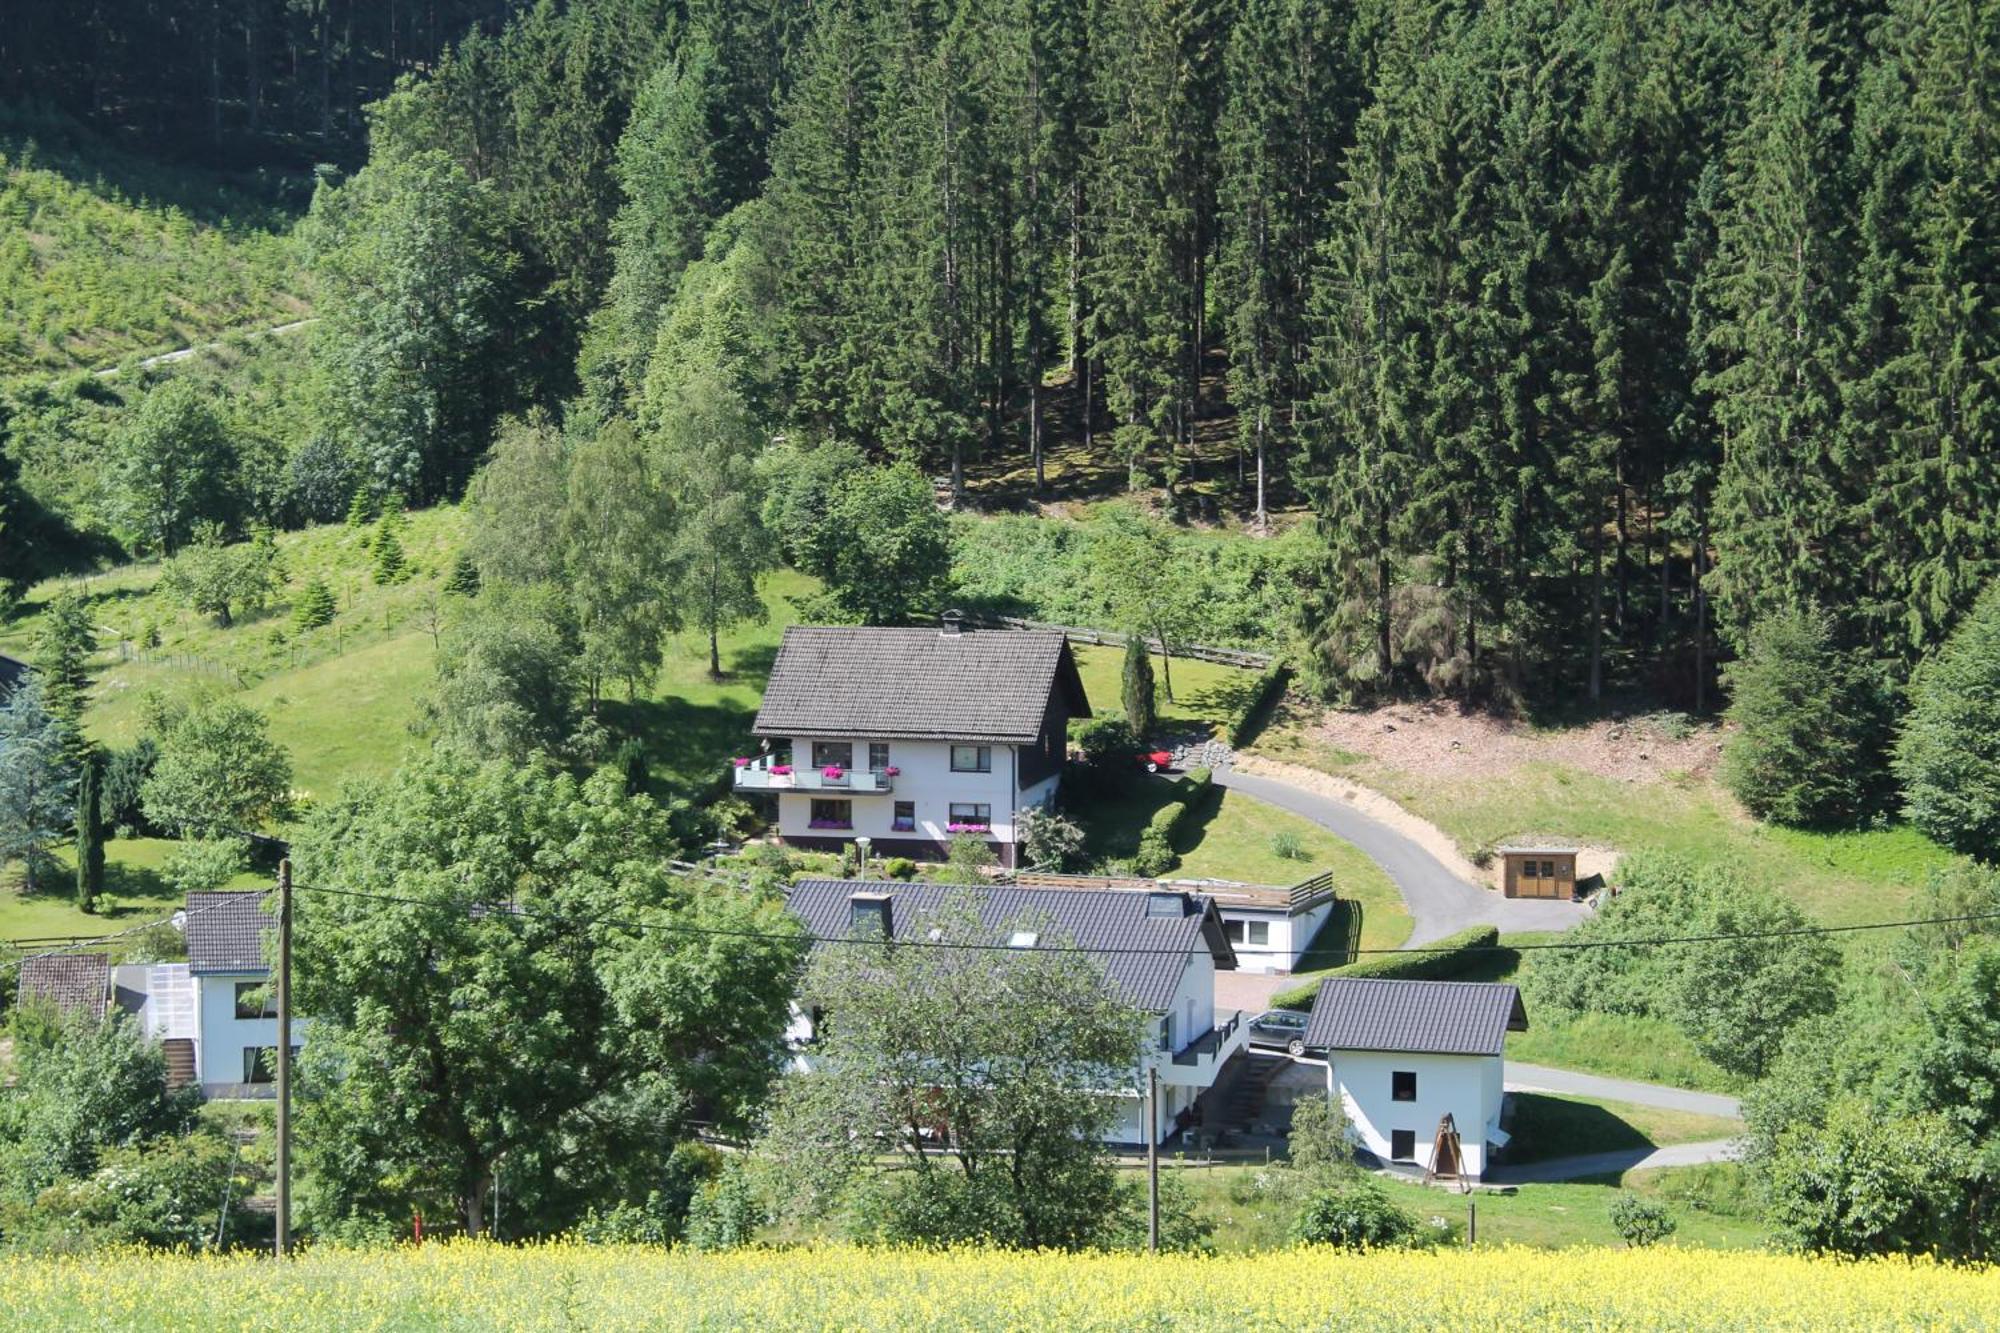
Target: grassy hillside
[(466, 1286), (103, 257)]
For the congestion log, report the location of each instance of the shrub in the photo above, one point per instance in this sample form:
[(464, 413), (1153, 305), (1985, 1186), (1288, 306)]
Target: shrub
[(725, 1213), (900, 867), (1287, 845), (1811, 748), (1356, 1214), (1948, 758), (201, 864), (1106, 741), (1049, 841), (1155, 856), (1641, 1221), (966, 863)]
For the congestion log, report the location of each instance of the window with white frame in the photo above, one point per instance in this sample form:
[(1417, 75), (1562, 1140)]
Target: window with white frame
[(833, 754), (970, 815), (904, 818), (971, 759), (878, 756), (1260, 932)]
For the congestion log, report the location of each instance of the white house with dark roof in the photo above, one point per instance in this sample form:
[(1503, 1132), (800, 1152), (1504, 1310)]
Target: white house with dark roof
[(222, 1000), (1173, 942), (1405, 1056), (908, 737)]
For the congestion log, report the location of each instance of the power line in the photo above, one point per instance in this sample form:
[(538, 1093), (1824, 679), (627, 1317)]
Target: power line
[(81, 944), (673, 928)]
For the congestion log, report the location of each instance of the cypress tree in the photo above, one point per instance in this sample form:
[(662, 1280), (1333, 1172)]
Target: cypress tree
[(1137, 688), (89, 833)]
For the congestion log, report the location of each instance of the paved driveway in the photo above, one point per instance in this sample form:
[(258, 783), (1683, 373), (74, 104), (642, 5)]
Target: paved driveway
[(1614, 1163), (1440, 902), (1541, 1078)]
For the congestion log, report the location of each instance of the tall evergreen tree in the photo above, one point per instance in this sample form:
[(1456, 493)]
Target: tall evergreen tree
[(89, 833)]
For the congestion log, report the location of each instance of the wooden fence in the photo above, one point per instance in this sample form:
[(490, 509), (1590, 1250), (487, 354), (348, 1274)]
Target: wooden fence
[(1236, 657)]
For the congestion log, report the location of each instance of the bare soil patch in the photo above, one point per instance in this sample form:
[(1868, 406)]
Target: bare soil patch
[(1439, 740)]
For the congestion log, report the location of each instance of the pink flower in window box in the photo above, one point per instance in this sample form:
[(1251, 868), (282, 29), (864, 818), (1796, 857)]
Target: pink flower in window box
[(833, 771), (781, 770), (890, 770), (968, 828), (741, 761)]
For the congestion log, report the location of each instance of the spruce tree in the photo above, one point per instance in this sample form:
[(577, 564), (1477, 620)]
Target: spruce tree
[(315, 606), (391, 565), (1136, 688), (1948, 757), (464, 578), (1781, 272), (62, 651)]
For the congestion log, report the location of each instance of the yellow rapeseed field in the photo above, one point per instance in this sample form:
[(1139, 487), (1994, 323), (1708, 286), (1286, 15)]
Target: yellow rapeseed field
[(478, 1286)]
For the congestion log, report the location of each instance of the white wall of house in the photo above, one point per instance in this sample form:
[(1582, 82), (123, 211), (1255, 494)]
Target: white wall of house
[(925, 777), (224, 1037), (1271, 940), (1466, 1087)]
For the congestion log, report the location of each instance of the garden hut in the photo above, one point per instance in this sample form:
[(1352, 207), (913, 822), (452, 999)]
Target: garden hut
[(1539, 872)]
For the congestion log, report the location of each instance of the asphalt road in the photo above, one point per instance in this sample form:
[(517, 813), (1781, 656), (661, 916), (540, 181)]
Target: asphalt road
[(1613, 1163), (1440, 902), (1541, 1078)]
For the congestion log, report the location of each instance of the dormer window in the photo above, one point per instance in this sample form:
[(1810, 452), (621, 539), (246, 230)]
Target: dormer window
[(1022, 939)]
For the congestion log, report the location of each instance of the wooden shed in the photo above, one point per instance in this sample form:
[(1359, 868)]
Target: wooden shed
[(1539, 872)]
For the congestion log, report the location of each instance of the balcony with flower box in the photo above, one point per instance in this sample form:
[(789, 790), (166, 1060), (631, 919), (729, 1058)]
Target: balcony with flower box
[(764, 775)]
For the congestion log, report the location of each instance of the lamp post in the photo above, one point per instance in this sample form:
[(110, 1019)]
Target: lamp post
[(862, 845)]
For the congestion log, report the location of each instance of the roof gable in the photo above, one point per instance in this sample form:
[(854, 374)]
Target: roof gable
[(1417, 1017), (225, 931), (76, 983), (1148, 977), (918, 684), (13, 672)]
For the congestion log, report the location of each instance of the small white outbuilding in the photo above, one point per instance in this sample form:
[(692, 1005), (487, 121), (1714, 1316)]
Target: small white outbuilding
[(1405, 1056)]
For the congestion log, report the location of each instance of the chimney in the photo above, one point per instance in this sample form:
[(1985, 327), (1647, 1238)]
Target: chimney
[(951, 622), (868, 914)]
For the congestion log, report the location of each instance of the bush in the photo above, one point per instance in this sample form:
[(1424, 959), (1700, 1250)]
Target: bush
[(1812, 743), (968, 859), (1441, 961), (1107, 742), (1155, 856), (1049, 841), (899, 867), (166, 1193), (725, 1213), (1949, 756), (1356, 1214), (201, 864), (1270, 688), (1641, 1221), (1286, 845)]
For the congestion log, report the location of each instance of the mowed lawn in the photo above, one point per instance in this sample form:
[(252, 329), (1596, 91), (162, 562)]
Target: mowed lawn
[(134, 893), (1205, 693)]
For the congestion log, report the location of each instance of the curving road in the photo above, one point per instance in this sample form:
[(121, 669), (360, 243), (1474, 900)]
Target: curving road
[(1440, 902)]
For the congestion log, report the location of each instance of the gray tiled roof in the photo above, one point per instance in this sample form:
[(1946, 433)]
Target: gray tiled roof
[(1421, 1017), (225, 931), (1105, 919), (917, 684), (77, 983)]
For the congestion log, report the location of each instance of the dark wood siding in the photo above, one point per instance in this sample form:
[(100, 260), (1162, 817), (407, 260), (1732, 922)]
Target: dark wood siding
[(1044, 758)]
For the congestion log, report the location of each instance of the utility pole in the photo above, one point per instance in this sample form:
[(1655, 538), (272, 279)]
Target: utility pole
[(1471, 1223), (284, 1238), (1153, 1159)]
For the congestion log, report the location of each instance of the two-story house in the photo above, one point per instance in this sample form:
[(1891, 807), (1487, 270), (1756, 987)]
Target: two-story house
[(216, 1014), (1161, 951), (909, 737)]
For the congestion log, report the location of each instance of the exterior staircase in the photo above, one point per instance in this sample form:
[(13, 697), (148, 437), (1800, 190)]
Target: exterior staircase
[(180, 1061), (1252, 1086)]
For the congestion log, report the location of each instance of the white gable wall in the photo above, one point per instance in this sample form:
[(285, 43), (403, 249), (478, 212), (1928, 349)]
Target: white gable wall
[(1466, 1087), (224, 1036)]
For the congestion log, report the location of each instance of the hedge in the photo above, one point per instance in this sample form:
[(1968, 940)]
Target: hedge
[(1270, 687), (1438, 962), (1156, 841)]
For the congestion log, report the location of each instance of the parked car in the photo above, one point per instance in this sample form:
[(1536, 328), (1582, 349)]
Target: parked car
[(1282, 1028), (1155, 761)]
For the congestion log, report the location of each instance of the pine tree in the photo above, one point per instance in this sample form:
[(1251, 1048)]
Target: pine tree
[(89, 834), (391, 566), (1136, 688), (1948, 757)]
